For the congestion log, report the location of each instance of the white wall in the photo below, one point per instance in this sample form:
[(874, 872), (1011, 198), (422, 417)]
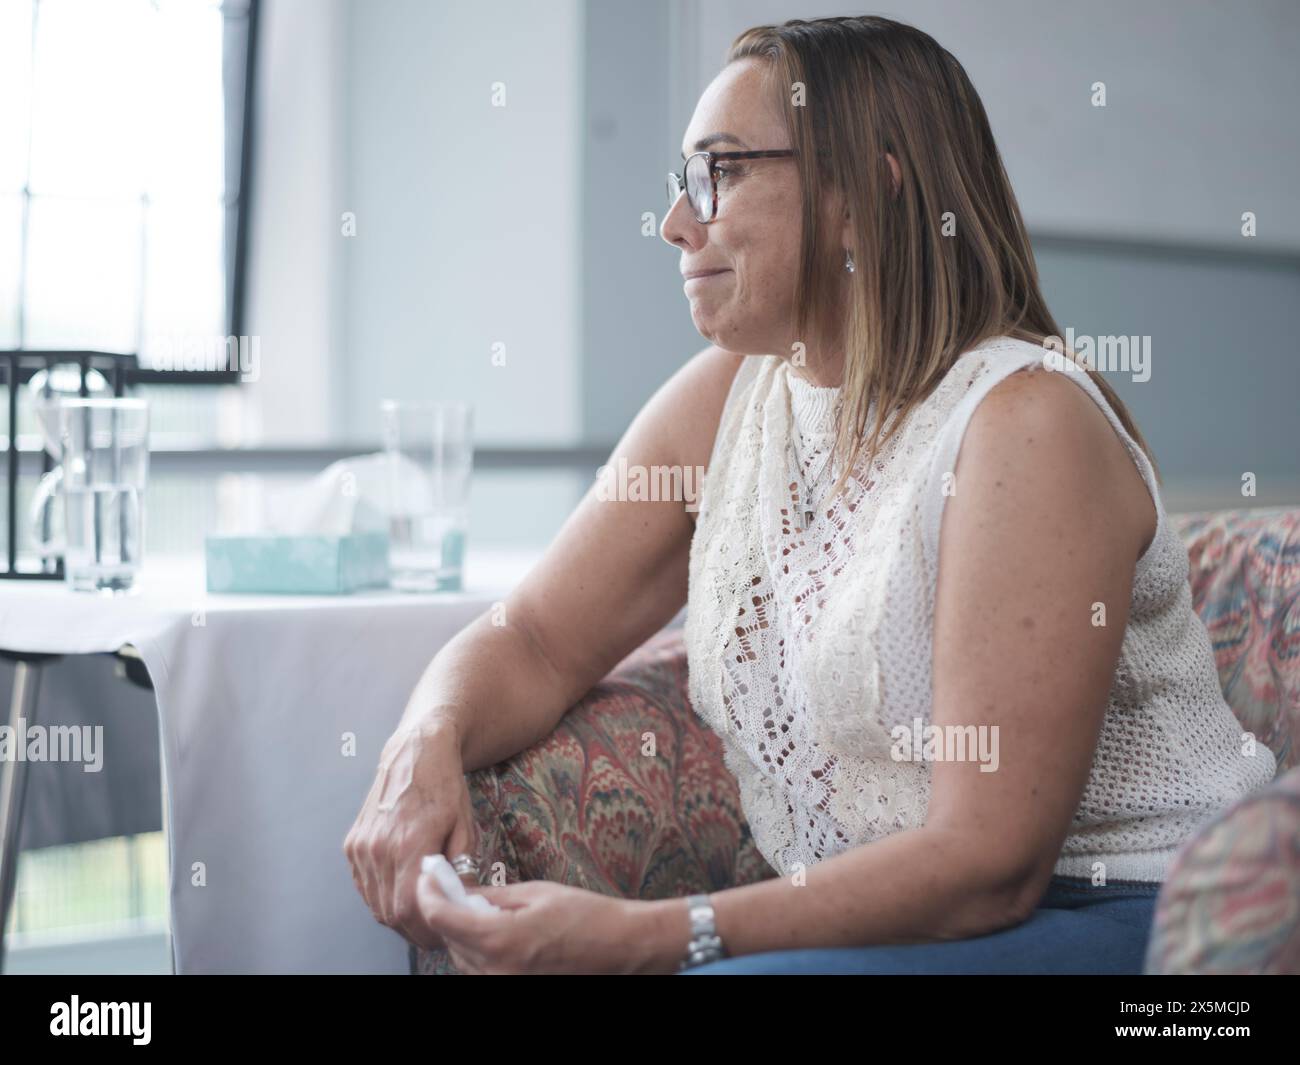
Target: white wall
[(466, 217), (467, 214), (294, 267)]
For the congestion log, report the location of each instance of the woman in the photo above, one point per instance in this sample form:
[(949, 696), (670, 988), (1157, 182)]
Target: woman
[(878, 374)]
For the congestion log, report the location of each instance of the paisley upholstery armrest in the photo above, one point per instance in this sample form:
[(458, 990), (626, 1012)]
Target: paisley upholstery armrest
[(628, 796), (1244, 572), (1231, 902)]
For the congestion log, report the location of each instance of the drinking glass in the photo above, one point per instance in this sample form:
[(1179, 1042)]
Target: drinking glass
[(103, 454), (430, 457)]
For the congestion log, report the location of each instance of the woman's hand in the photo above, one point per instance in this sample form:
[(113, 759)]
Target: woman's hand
[(419, 804), (544, 927)]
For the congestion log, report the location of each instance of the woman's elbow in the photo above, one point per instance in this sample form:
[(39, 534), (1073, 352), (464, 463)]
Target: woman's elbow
[(996, 891)]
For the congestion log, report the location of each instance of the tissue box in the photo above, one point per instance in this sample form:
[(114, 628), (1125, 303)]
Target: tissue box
[(312, 564)]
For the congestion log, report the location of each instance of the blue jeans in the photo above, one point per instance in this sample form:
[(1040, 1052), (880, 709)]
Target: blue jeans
[(1077, 928)]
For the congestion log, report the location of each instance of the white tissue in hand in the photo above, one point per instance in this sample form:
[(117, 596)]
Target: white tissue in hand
[(451, 885), (351, 495)]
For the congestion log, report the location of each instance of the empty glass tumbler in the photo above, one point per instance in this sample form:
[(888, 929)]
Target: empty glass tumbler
[(430, 459)]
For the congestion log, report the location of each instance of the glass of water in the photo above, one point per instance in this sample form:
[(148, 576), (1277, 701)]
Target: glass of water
[(430, 453), (103, 452)]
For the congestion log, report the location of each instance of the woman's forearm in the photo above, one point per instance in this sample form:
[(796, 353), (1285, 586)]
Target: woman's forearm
[(494, 688), (919, 885)]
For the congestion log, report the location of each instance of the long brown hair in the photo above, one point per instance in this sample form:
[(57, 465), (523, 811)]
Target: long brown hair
[(927, 285)]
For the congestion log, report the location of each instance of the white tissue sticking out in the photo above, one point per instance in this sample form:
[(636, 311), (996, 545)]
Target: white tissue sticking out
[(451, 885), (351, 495)]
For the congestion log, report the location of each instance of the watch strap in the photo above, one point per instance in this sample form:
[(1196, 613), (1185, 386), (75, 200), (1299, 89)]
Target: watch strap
[(705, 945)]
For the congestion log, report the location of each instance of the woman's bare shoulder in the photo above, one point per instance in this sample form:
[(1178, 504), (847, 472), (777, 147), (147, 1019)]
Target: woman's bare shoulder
[(1044, 427)]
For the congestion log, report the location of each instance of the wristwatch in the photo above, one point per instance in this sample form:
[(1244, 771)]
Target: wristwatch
[(705, 945)]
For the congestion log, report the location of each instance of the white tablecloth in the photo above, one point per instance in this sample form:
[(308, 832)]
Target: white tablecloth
[(256, 695)]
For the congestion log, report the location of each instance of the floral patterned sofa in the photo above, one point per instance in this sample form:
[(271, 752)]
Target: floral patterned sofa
[(629, 795)]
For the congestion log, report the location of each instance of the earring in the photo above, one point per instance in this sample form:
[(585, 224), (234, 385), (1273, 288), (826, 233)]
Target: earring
[(848, 262)]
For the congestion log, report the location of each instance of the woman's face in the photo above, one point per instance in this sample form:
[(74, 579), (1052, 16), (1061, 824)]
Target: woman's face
[(748, 307)]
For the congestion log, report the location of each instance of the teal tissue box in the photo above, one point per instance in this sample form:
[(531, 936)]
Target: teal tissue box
[(297, 565)]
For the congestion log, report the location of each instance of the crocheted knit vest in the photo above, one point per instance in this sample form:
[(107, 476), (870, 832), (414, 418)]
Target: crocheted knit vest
[(805, 649)]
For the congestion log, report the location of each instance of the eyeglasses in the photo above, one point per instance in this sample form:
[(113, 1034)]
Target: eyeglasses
[(700, 181)]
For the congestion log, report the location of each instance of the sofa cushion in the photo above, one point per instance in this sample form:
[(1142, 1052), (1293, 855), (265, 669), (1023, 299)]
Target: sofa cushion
[(1231, 900), (1245, 580)]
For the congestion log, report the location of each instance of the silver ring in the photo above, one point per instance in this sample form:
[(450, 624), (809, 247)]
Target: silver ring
[(465, 863)]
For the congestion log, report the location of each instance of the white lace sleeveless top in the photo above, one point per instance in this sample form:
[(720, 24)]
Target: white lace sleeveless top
[(805, 648)]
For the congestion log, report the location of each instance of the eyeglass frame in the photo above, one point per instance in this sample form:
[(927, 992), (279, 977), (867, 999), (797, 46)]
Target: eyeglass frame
[(680, 179)]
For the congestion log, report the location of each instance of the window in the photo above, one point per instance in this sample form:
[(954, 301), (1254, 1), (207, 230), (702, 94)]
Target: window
[(122, 133)]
